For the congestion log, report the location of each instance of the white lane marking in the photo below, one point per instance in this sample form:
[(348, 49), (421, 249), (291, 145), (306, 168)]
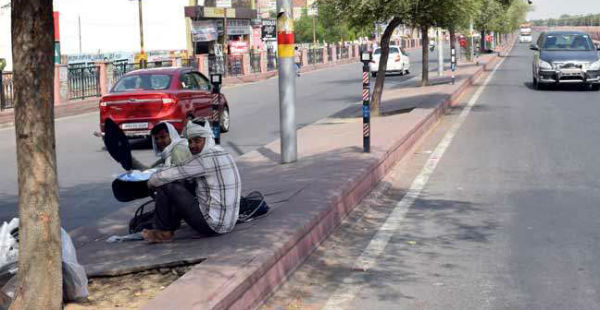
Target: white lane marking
[(368, 258)]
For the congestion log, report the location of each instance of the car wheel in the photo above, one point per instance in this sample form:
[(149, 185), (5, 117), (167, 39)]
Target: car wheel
[(538, 86), (407, 72), (595, 87), (224, 120)]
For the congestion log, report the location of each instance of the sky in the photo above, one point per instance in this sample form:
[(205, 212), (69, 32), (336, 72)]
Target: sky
[(556, 8), (112, 25)]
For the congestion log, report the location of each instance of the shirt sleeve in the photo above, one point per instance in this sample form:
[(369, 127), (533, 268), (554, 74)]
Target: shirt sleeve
[(190, 169), (180, 155)]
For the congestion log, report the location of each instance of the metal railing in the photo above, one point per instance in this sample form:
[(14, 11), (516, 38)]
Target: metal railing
[(189, 62), (6, 91), (120, 68), (344, 52), (315, 56), (234, 65), (255, 62), (272, 61), (84, 81)]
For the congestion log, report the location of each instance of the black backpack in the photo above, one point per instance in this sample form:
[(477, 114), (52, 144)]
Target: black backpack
[(142, 219)]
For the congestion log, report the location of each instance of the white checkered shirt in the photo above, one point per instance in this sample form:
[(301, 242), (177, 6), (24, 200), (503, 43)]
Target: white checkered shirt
[(218, 186)]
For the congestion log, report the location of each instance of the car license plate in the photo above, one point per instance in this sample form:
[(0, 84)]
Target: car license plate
[(137, 133), (570, 72), (129, 126)]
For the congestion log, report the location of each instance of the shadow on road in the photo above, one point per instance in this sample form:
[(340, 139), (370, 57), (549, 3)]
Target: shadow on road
[(560, 87)]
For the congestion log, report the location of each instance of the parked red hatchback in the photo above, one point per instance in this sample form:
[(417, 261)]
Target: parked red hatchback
[(143, 98)]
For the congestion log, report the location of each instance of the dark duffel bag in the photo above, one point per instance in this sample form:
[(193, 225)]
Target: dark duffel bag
[(142, 219), (252, 206)]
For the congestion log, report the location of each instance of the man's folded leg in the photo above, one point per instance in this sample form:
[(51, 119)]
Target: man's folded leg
[(175, 202)]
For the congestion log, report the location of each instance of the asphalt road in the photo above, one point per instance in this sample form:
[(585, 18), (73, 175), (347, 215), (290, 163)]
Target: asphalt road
[(86, 170), (509, 219)]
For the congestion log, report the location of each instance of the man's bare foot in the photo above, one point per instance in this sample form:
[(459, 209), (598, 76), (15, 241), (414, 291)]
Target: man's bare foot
[(158, 236)]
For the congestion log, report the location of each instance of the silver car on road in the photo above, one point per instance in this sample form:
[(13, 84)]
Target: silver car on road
[(566, 57)]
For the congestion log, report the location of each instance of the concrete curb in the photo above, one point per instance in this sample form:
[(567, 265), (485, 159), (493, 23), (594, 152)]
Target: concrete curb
[(249, 289)]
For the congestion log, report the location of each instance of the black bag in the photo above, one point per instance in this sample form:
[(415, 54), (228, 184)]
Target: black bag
[(252, 206), (126, 191), (142, 219)]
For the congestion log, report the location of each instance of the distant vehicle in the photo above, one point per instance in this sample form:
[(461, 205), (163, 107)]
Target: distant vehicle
[(398, 61), (525, 36), (566, 57), (142, 98)]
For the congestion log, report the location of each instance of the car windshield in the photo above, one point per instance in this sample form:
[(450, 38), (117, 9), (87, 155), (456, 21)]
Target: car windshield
[(568, 42), (143, 82), (393, 50)]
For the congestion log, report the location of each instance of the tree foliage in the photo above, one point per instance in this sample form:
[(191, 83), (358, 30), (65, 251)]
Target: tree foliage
[(568, 20), (328, 26), (501, 16)]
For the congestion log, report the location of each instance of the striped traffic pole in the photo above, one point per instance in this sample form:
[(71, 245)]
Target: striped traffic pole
[(216, 93), (287, 81), (453, 64), (366, 97)]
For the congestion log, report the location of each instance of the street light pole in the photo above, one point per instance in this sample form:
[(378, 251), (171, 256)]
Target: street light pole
[(287, 81), (142, 59), (314, 31), (440, 52), (79, 24)]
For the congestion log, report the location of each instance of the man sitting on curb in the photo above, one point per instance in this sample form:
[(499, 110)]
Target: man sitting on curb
[(214, 207), (168, 145)]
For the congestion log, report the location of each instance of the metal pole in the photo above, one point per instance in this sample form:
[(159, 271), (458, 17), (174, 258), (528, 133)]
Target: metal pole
[(287, 81), (314, 31), (79, 19), (472, 51), (453, 64), (143, 61), (440, 52), (2, 103), (366, 94), (216, 126)]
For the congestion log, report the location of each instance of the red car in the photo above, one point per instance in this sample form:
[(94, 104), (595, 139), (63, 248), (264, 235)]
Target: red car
[(143, 98)]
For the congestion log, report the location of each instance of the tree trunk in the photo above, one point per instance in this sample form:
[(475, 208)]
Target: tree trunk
[(425, 62), (482, 45), (40, 268), (453, 42), (379, 81)]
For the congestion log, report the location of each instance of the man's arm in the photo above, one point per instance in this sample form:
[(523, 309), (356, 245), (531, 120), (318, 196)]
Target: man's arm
[(137, 165), (191, 169), (180, 154), (157, 163)]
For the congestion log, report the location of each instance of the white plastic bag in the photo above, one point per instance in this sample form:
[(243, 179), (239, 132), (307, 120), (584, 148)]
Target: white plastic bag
[(9, 247), (75, 280), (74, 277)]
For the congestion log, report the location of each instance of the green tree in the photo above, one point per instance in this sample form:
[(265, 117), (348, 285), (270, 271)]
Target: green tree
[(421, 14), (361, 14), (458, 18), (327, 26), (425, 14)]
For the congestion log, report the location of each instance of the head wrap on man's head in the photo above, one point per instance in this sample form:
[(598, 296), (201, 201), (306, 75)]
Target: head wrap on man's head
[(195, 129)]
